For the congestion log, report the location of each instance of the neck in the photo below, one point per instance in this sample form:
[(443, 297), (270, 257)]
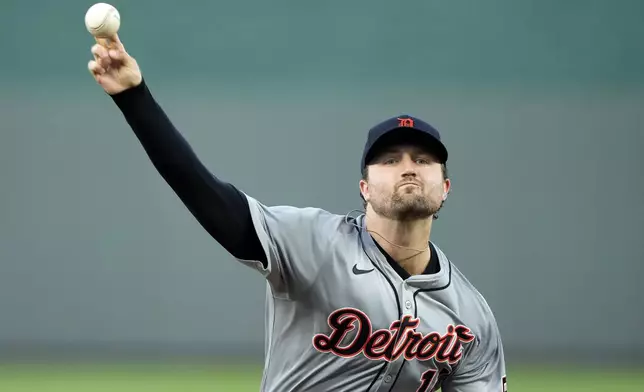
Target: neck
[(405, 241)]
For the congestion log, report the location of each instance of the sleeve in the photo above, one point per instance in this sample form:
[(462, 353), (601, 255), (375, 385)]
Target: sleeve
[(296, 242), (220, 208), (483, 368)]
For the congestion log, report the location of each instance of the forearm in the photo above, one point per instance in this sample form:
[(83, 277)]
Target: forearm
[(218, 206)]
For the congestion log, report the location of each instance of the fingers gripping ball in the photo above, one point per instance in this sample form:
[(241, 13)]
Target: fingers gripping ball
[(102, 20)]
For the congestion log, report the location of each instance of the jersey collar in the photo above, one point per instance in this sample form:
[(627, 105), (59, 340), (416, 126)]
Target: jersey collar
[(425, 281)]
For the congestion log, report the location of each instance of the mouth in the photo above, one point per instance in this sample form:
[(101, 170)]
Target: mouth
[(409, 183)]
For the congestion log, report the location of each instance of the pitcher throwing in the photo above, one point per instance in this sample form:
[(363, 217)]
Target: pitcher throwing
[(364, 303)]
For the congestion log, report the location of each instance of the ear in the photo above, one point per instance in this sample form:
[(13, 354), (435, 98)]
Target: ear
[(447, 188), (364, 189)]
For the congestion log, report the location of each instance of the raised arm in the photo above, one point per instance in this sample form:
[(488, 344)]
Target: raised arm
[(218, 206)]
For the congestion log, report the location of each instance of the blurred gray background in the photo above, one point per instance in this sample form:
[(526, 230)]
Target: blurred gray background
[(540, 104)]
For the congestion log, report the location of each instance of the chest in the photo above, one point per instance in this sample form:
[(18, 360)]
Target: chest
[(366, 312)]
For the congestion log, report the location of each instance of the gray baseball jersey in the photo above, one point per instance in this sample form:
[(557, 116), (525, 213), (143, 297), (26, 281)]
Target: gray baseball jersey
[(339, 318)]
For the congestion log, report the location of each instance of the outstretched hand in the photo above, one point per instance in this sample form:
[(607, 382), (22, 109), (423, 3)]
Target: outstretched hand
[(113, 68)]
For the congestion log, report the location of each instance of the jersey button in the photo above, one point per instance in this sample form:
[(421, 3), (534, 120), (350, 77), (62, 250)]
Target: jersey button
[(408, 304), (388, 379)]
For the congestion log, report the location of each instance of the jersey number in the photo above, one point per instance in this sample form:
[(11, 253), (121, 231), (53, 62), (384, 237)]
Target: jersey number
[(429, 380)]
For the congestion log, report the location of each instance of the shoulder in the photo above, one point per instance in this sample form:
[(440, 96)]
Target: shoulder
[(469, 304), (299, 220)]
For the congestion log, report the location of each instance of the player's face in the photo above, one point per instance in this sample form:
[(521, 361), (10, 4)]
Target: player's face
[(405, 183)]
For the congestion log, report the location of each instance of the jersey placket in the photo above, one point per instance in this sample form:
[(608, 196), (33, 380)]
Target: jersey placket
[(391, 372)]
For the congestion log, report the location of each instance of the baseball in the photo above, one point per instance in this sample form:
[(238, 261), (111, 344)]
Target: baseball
[(102, 20)]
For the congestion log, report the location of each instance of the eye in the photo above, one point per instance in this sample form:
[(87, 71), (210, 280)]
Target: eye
[(422, 161), (389, 161)]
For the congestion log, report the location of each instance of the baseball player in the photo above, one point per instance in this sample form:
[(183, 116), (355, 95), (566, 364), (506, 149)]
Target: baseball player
[(364, 303)]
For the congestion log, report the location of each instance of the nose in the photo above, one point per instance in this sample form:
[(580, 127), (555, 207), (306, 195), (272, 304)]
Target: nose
[(409, 166)]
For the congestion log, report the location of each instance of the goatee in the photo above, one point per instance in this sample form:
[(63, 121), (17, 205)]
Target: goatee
[(406, 208)]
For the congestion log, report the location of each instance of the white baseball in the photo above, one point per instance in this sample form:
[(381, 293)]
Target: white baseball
[(102, 20)]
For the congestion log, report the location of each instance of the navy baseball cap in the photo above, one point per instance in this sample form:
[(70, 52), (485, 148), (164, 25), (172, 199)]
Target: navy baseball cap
[(403, 129)]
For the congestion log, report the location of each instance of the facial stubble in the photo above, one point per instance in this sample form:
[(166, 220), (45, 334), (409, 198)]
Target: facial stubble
[(406, 205)]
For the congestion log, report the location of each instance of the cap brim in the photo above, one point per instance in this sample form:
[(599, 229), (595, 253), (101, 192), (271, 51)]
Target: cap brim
[(409, 136)]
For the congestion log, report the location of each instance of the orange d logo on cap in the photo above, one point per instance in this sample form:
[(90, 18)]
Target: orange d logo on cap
[(405, 122)]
